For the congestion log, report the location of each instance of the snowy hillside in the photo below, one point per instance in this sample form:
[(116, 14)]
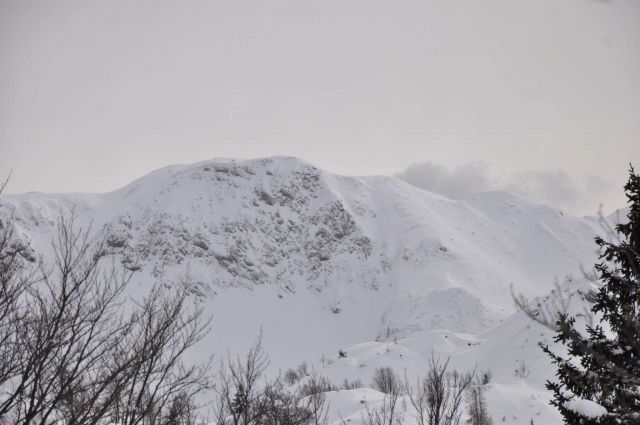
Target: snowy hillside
[(321, 262)]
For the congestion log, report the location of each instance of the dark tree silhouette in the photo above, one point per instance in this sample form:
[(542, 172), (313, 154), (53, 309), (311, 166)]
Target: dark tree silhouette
[(599, 381), (73, 350)]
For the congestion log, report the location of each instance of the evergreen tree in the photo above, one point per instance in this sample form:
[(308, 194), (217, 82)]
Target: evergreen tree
[(599, 381)]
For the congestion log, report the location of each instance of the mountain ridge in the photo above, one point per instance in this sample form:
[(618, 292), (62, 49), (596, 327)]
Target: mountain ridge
[(322, 262)]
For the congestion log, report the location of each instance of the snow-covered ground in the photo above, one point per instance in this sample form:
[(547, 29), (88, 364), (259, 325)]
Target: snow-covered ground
[(320, 262)]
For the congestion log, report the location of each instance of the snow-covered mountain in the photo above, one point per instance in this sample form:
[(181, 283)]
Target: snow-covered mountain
[(321, 262)]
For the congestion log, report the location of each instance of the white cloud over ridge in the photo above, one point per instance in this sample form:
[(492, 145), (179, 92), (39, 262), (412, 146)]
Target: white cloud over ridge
[(551, 187)]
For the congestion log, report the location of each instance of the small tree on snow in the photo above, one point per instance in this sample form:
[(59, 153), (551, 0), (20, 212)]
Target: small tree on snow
[(599, 383), (477, 407), (385, 380)]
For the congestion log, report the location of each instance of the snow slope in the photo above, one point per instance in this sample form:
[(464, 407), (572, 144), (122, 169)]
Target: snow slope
[(323, 262)]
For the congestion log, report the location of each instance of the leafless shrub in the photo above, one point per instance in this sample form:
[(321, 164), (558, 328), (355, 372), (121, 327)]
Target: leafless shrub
[(291, 376), (351, 385), (69, 352), (303, 370), (182, 410), (485, 377), (437, 398), (544, 310), (278, 406), (522, 370), (316, 402), (237, 391), (315, 384), (241, 399), (386, 380), (477, 405), (386, 413), (325, 361), (16, 279), (167, 331)]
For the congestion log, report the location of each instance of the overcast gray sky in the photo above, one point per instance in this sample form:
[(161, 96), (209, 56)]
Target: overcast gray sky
[(541, 96)]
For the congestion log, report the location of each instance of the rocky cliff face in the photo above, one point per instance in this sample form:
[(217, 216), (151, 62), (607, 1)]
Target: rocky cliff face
[(255, 224)]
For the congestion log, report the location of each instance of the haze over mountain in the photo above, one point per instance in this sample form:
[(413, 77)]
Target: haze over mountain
[(322, 262)]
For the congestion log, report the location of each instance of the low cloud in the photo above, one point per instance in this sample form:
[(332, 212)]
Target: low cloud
[(554, 188), (456, 183)]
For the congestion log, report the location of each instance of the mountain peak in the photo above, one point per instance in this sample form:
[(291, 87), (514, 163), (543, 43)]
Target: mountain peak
[(284, 223)]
